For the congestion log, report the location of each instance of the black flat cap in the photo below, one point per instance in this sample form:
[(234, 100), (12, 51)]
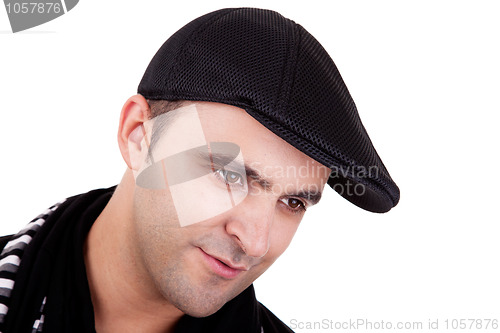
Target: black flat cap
[(280, 74)]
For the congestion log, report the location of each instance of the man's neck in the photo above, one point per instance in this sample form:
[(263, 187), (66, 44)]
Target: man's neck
[(124, 297)]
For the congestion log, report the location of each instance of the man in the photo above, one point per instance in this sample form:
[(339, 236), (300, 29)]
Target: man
[(240, 120)]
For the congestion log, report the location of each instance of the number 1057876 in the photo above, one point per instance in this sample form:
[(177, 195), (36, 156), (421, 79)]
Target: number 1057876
[(471, 324), (33, 7)]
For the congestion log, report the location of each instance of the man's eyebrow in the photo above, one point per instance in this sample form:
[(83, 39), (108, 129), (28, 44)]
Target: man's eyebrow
[(312, 197), (222, 160), (256, 177)]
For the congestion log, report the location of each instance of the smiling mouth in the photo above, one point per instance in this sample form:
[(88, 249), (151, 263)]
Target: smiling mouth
[(221, 268)]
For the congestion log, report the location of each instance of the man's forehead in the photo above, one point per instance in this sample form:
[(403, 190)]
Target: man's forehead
[(196, 123)]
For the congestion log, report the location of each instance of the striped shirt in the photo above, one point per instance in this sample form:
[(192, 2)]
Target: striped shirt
[(10, 259)]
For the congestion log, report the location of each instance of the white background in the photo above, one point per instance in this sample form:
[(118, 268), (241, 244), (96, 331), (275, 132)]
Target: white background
[(425, 76)]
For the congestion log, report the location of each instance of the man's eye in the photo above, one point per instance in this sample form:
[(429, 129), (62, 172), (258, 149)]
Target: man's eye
[(294, 204), (230, 177)]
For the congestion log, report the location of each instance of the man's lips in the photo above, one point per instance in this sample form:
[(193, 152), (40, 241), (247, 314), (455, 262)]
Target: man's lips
[(223, 267)]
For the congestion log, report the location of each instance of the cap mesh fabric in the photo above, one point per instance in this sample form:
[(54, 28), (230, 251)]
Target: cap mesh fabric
[(273, 68)]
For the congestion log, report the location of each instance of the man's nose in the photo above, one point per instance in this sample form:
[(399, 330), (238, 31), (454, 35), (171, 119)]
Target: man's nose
[(250, 223)]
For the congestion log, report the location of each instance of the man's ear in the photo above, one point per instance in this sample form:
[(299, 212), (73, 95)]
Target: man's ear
[(134, 113)]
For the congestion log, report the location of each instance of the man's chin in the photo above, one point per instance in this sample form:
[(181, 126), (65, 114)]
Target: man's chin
[(205, 306), (201, 310)]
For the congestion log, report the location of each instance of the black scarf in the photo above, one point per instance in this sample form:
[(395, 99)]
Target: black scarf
[(51, 288)]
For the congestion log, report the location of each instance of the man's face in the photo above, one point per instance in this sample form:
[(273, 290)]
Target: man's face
[(200, 266)]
